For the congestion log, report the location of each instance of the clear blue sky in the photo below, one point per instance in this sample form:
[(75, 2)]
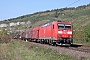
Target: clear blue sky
[(15, 8)]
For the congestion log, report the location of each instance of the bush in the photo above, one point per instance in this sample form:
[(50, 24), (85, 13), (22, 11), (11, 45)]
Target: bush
[(4, 37), (87, 33)]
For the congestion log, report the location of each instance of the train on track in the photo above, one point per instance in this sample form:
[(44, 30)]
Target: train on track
[(56, 32)]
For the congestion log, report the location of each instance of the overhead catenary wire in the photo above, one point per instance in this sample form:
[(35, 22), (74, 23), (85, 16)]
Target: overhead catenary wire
[(70, 14), (58, 12), (72, 3)]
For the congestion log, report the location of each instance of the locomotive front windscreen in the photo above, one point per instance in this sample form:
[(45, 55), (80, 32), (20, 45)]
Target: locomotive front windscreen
[(65, 26), (60, 26)]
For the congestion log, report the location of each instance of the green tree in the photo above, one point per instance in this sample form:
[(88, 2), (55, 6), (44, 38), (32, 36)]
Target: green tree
[(3, 32), (4, 37)]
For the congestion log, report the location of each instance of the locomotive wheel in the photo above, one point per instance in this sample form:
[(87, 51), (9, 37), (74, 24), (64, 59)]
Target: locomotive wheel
[(52, 43), (41, 41), (49, 42)]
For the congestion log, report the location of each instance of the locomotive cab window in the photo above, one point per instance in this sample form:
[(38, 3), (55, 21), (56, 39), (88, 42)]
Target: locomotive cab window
[(67, 26), (60, 26)]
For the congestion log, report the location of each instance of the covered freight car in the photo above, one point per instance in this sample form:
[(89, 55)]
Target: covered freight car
[(35, 34), (30, 35)]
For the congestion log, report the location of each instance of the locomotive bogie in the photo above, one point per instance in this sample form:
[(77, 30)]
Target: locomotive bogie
[(65, 40)]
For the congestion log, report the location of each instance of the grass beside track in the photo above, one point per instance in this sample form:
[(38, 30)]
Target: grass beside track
[(20, 50)]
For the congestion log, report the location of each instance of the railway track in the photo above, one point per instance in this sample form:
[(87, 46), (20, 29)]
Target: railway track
[(78, 51), (76, 47), (82, 49)]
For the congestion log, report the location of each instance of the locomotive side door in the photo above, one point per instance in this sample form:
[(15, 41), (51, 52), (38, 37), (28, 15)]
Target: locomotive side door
[(38, 34), (52, 33)]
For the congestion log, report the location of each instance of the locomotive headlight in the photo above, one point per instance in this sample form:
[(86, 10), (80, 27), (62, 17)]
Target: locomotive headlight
[(59, 32), (69, 32)]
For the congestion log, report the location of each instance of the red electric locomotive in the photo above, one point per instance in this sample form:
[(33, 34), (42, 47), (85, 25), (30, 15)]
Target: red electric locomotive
[(56, 32)]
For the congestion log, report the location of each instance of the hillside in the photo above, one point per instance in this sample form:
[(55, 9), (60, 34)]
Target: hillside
[(80, 16)]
